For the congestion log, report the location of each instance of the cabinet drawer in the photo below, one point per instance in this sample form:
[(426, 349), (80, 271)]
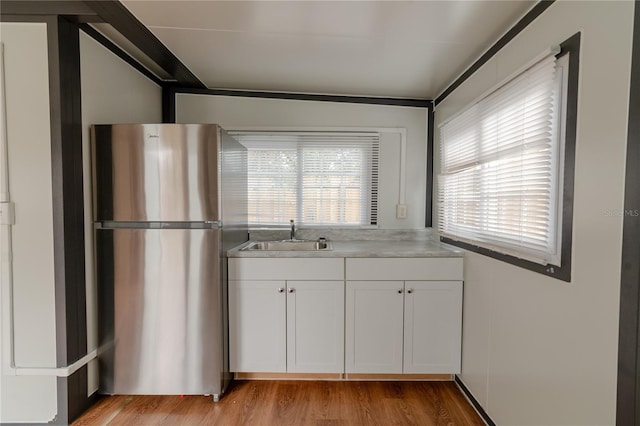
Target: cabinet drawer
[(286, 268), (404, 269)]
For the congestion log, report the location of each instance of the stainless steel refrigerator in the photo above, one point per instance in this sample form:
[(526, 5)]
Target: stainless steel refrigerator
[(169, 200)]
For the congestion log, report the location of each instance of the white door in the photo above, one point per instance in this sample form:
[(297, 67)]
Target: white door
[(433, 327), (315, 326), (374, 329), (257, 326)]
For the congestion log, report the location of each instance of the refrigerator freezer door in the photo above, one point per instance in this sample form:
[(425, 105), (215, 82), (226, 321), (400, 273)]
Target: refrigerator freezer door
[(160, 311), (156, 172)]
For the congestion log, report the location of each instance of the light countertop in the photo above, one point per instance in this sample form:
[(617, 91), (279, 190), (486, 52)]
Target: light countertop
[(363, 248)]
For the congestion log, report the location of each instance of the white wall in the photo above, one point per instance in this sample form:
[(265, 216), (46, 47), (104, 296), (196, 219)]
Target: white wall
[(112, 92), (538, 351), (29, 141), (237, 112)]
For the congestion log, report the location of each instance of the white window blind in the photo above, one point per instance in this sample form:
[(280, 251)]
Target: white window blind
[(315, 178), (499, 178)]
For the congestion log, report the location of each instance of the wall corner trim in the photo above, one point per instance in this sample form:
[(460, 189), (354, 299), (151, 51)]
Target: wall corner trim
[(628, 386)]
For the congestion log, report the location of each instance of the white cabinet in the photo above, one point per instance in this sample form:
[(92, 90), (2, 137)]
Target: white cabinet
[(315, 327), (286, 315), (257, 326), (374, 327), (414, 268), (397, 315), (432, 326), (409, 325)]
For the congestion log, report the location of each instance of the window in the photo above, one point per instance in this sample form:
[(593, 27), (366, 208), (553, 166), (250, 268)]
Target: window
[(315, 178), (502, 174)]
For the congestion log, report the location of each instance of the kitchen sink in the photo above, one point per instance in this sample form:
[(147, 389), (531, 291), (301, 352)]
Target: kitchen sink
[(290, 245)]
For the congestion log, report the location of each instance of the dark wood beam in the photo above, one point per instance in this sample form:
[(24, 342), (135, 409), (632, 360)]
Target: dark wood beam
[(116, 50), (114, 13), (628, 395), (417, 103), (67, 185), (168, 104), (76, 11), (428, 213), (63, 38)]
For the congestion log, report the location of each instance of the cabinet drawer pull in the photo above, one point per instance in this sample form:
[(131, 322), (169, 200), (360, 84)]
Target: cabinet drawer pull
[(290, 290), (400, 291), (280, 290), (410, 291)]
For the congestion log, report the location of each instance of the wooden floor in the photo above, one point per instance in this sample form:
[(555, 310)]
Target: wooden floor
[(295, 403)]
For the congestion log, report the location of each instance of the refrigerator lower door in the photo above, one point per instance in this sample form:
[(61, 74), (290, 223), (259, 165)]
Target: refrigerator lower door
[(160, 311)]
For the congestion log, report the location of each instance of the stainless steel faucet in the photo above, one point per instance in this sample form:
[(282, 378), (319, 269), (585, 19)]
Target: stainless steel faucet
[(293, 230)]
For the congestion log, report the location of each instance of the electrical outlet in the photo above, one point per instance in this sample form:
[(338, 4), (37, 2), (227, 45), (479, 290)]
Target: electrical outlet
[(401, 211), (7, 215)]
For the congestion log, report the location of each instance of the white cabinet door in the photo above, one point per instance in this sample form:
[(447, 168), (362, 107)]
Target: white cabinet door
[(315, 326), (374, 329), (433, 326), (257, 326)]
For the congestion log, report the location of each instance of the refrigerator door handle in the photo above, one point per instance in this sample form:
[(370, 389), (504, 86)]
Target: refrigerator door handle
[(158, 225)]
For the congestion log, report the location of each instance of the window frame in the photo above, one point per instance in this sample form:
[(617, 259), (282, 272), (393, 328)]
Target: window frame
[(571, 46)]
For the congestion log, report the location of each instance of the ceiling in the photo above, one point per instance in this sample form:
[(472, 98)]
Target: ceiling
[(404, 49)]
